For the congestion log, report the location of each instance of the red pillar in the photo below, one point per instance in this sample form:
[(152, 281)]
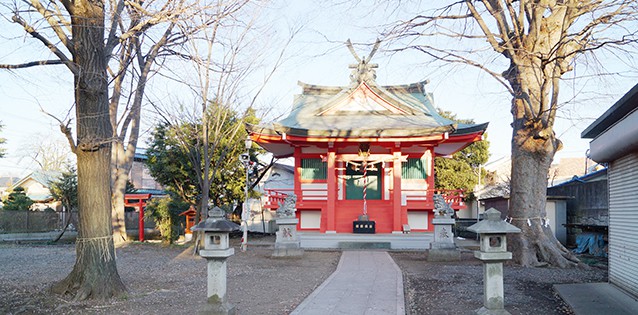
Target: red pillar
[(430, 181), (430, 173), (396, 191), (141, 220), (297, 183), (332, 192), (297, 175)]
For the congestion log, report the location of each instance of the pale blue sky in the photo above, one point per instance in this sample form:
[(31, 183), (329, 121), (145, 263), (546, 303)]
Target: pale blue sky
[(317, 56)]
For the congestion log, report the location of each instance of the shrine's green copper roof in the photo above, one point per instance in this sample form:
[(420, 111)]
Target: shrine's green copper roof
[(365, 109)]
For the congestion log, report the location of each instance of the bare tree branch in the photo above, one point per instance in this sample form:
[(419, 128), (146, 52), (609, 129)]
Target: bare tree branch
[(54, 49), (486, 30), (54, 19), (64, 128), (112, 39), (32, 64)]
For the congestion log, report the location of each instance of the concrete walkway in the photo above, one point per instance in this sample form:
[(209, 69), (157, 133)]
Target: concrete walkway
[(365, 282), (597, 298)]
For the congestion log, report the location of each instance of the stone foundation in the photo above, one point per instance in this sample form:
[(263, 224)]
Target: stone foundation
[(287, 243), (444, 255)]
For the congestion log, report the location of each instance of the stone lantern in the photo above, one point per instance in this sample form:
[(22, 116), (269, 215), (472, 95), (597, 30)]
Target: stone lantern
[(216, 250), (493, 253)]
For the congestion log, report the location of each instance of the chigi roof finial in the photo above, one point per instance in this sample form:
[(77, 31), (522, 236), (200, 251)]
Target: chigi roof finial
[(363, 71)]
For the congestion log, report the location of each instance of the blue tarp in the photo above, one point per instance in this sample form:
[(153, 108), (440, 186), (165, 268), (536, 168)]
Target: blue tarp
[(591, 243)]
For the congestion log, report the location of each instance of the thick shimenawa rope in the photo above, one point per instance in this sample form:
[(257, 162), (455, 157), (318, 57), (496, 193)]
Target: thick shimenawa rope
[(102, 242), (544, 220)]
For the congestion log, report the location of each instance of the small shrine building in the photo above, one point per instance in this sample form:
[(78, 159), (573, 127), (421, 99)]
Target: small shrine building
[(364, 149)]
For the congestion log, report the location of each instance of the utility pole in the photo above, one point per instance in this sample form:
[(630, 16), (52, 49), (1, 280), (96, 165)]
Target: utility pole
[(245, 214)]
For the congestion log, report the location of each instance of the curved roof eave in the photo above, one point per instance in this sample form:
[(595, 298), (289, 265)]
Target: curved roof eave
[(463, 129)]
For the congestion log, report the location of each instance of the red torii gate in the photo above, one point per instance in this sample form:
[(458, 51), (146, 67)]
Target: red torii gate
[(138, 201)]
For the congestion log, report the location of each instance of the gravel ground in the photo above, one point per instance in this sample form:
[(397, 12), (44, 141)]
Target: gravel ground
[(170, 280), (161, 280), (457, 287)]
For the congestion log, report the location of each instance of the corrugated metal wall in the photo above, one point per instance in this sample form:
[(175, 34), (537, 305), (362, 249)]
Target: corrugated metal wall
[(623, 223)]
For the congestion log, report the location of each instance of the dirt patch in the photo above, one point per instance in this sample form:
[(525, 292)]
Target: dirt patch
[(457, 287), (161, 280)]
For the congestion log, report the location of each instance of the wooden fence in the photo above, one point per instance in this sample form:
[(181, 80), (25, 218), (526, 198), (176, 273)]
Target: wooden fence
[(34, 221)]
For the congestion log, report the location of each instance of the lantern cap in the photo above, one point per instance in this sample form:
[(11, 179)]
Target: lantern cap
[(216, 222), (493, 224)]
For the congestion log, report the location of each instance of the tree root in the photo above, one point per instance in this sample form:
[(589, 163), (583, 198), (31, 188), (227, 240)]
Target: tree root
[(535, 248), (94, 275), (84, 290), (553, 255)]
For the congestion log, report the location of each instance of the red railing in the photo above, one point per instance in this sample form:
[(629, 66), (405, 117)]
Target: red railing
[(454, 197), (275, 197)]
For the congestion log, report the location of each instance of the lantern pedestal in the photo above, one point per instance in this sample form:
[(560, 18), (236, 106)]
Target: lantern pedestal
[(217, 302), (287, 243)]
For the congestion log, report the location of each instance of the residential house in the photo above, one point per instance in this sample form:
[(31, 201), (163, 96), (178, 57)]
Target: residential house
[(279, 177), (140, 176), (36, 187), (567, 168), (494, 185)]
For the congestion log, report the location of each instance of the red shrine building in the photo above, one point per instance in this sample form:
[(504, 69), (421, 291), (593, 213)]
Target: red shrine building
[(364, 149)]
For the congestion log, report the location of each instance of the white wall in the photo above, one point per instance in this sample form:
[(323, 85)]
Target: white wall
[(418, 220), (310, 219), (557, 216)]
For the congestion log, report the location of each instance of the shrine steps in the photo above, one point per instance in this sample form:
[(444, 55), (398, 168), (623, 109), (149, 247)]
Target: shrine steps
[(411, 241), (364, 245)]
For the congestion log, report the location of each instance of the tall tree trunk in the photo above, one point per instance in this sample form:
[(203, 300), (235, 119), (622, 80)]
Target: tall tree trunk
[(119, 179), (121, 163), (123, 159), (532, 155), (94, 274)]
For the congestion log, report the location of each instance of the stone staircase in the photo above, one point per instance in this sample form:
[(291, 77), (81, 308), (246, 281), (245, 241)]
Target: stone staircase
[(415, 241)]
